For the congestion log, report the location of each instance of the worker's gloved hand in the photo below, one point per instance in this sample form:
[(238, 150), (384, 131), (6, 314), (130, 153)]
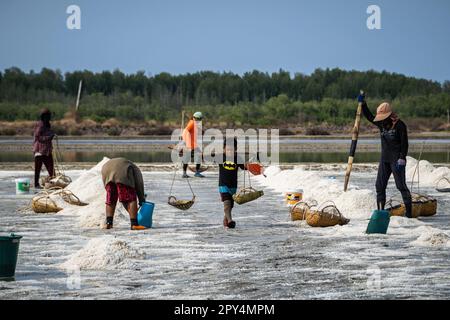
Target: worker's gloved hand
[(401, 164), (361, 98)]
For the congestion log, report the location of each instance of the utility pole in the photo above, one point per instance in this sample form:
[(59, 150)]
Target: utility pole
[(448, 118), (77, 103), (79, 95)]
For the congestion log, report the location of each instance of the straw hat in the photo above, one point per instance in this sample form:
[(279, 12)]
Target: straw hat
[(383, 112)]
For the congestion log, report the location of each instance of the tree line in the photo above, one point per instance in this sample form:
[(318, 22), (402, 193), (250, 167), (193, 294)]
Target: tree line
[(254, 97)]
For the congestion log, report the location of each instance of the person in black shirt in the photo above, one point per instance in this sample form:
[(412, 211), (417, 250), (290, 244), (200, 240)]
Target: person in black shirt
[(228, 179), (394, 149)]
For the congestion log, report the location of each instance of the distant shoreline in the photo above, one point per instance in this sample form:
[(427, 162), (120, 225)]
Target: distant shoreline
[(164, 167), (298, 143)]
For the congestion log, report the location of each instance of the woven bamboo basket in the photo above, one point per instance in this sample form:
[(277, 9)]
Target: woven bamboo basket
[(301, 209), (325, 216), (396, 208), (425, 206), (194, 169), (61, 181), (43, 204), (69, 197), (246, 195), (443, 188), (422, 206), (181, 204)]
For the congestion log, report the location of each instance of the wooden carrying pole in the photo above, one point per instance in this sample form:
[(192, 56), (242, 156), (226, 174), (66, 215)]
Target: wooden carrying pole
[(353, 145)]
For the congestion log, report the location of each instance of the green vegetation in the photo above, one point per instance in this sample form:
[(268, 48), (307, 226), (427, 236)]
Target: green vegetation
[(254, 98)]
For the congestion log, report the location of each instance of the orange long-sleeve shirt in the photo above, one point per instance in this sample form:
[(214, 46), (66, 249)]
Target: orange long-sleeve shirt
[(190, 135)]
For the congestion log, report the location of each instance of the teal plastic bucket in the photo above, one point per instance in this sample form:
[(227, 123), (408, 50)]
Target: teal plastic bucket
[(9, 250), (145, 214), (379, 222)]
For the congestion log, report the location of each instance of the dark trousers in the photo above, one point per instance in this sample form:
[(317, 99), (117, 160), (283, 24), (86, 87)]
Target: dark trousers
[(385, 170), (197, 165), (38, 161), (185, 166)]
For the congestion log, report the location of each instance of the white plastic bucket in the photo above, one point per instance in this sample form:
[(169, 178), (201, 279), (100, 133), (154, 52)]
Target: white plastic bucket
[(22, 185)]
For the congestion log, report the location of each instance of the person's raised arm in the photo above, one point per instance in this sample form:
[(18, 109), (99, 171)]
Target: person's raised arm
[(404, 143), (365, 109)]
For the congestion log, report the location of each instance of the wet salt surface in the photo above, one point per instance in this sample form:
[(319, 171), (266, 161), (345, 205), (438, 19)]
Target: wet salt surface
[(189, 255)]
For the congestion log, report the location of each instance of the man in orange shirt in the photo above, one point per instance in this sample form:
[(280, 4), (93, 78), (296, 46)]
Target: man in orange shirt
[(190, 135)]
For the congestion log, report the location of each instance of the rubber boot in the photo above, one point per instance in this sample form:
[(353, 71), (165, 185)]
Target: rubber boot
[(381, 205), (408, 213)]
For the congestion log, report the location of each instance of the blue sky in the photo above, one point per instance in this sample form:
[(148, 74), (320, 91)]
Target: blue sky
[(227, 35)]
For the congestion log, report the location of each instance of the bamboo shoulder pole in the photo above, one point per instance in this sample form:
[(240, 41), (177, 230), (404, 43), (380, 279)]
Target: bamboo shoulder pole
[(353, 145)]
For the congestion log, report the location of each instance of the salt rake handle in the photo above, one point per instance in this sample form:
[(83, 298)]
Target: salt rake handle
[(353, 145)]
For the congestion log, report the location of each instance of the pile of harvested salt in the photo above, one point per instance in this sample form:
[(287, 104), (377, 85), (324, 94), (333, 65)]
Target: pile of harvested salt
[(432, 237), (104, 253), (428, 174), (89, 188)]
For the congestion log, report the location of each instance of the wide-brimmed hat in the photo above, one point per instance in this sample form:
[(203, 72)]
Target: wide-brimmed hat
[(384, 111)]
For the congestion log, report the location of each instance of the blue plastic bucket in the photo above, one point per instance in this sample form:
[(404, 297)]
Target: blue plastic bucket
[(379, 222), (145, 214)]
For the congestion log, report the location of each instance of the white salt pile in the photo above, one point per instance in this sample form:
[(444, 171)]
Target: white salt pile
[(104, 253), (431, 237), (429, 175), (355, 203), (89, 188)]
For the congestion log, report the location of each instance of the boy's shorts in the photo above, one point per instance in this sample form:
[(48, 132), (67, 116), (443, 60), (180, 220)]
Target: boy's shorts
[(121, 192), (226, 193)]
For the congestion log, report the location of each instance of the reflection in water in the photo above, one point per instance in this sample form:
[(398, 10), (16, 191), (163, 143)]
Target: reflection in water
[(161, 156)]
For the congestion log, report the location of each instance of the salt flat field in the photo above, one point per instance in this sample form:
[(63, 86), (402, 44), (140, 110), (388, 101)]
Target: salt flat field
[(189, 255)]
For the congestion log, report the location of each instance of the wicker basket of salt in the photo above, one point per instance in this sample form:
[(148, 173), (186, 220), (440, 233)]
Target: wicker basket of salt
[(246, 195), (69, 197), (43, 204), (301, 209), (327, 215), (61, 181), (425, 206), (396, 208), (422, 206), (181, 204)]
